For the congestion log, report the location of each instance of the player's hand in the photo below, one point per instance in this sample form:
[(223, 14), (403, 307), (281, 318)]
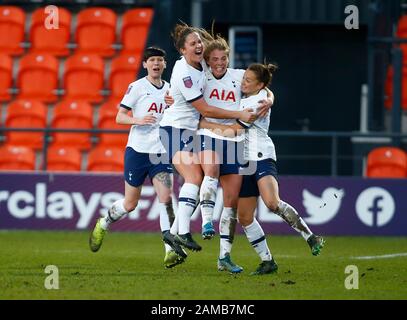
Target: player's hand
[(148, 119), (169, 100), (265, 106), (248, 116)]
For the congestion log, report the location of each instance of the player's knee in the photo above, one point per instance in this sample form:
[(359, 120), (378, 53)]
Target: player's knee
[(195, 179), (230, 197), (212, 171), (229, 200), (245, 220), (130, 205), (272, 203)]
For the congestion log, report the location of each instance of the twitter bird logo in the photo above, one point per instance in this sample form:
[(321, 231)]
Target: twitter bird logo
[(322, 210)]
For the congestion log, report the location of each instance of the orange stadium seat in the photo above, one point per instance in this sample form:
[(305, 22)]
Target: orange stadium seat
[(70, 114), (83, 78), (12, 21), (96, 31), (50, 40), (107, 120), (6, 77), (26, 114), (135, 29), (38, 77), (16, 158), (124, 70), (104, 159), (387, 162), (60, 158)]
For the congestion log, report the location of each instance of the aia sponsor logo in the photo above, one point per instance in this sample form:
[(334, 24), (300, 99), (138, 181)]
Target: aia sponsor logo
[(223, 95)]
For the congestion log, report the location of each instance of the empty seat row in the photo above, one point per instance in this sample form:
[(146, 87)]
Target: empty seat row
[(60, 158), (95, 32), (68, 114), (83, 76), (387, 162)]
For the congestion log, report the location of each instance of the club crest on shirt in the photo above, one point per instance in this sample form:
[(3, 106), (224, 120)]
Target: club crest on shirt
[(187, 82)]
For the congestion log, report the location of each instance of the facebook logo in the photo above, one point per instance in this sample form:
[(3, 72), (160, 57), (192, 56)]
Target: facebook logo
[(375, 207)]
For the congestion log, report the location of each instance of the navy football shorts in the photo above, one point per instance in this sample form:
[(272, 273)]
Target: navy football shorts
[(230, 153), (138, 165), (174, 140), (266, 167)]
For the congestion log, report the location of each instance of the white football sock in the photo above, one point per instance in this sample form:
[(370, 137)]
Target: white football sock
[(174, 227), (207, 197), (115, 213), (291, 216), (257, 239), (166, 215), (188, 196), (227, 226)]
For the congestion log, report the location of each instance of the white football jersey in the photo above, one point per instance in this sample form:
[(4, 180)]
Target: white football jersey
[(257, 144), (144, 98), (187, 85), (223, 93)]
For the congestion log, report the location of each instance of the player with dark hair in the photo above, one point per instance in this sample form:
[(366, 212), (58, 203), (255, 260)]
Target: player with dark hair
[(145, 98), (259, 150)]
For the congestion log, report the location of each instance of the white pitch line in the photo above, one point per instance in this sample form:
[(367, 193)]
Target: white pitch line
[(384, 256)]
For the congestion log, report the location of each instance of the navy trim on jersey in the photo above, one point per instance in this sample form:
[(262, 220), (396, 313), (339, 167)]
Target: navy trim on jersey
[(197, 98), (124, 106), (157, 87), (219, 77), (242, 124)]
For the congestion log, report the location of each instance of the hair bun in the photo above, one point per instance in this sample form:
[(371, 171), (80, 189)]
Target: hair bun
[(272, 67)]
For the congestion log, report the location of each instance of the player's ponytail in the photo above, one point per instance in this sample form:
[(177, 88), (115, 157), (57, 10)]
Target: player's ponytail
[(272, 67), (180, 34)]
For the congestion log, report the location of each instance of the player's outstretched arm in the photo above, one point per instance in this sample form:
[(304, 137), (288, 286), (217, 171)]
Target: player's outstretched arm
[(123, 117), (212, 112), (221, 129)]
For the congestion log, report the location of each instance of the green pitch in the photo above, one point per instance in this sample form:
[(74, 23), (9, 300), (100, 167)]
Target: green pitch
[(130, 266)]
